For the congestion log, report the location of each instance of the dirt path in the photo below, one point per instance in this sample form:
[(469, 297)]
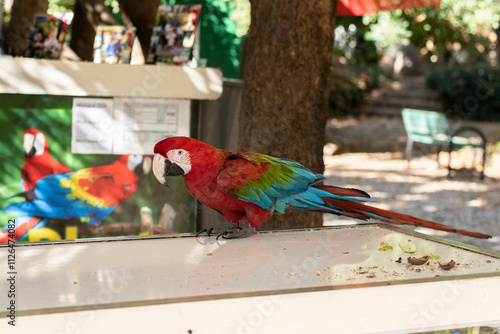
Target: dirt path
[(424, 191)]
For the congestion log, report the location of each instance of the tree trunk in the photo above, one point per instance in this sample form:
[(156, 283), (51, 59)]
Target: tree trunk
[(142, 15), (1, 27), (88, 15), (21, 20), (285, 92)]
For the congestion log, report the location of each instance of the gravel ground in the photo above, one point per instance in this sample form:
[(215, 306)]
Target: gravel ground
[(423, 190)]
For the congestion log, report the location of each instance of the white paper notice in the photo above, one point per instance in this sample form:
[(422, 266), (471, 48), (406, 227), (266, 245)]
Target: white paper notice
[(140, 123), (92, 128)]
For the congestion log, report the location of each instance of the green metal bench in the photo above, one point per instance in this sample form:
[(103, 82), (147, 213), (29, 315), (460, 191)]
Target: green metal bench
[(431, 127)]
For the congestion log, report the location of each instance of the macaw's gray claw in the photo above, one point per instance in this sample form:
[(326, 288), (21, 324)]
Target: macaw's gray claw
[(232, 231), (238, 234)]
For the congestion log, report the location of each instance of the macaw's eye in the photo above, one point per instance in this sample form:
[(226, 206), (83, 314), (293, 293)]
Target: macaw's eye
[(180, 152)]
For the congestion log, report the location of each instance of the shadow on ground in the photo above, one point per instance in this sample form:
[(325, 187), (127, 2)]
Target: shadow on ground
[(464, 202)]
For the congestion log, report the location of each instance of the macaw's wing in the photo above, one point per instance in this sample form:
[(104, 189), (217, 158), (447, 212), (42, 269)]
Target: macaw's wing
[(268, 182), (96, 188), (72, 195)]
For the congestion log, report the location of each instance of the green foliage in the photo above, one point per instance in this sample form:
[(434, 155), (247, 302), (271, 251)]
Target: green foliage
[(240, 14), (114, 8), (219, 42), (458, 31), (471, 92), (345, 92), (60, 6), (356, 68), (388, 29)]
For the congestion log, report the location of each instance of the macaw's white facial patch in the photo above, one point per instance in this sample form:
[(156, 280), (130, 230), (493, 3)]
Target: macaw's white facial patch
[(134, 160), (34, 142), (181, 158)]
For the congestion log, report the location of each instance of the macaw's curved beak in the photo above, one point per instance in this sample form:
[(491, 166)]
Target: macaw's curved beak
[(29, 148), (172, 169), (32, 152), (146, 165), (163, 167)]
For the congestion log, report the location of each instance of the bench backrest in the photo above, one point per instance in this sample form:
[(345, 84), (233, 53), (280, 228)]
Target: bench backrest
[(426, 127)]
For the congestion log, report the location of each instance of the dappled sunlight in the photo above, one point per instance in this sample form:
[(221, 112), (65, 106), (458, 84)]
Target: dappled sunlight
[(413, 197), (494, 243), (430, 208), (450, 186), (429, 231), (479, 202), (423, 190), (378, 194)]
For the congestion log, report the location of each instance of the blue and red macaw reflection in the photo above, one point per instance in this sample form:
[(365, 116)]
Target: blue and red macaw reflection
[(89, 194), (38, 163)]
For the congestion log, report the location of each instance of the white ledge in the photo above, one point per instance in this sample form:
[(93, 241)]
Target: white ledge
[(327, 280), (53, 77)]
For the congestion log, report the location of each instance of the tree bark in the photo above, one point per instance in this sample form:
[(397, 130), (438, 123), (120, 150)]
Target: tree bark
[(285, 92), (142, 15), (88, 15), (21, 20), (1, 27)]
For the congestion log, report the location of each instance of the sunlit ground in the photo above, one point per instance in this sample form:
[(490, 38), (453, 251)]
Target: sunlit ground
[(424, 191)]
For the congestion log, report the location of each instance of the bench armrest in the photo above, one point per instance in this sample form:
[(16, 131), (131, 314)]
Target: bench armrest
[(468, 128)]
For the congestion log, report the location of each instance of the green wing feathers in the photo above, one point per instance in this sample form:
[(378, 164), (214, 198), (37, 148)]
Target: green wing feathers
[(264, 180)]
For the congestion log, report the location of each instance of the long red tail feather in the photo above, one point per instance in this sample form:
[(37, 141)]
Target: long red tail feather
[(361, 211)]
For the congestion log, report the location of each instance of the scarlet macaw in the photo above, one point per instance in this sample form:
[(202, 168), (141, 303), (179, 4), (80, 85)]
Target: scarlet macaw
[(253, 186), (89, 194), (38, 163)]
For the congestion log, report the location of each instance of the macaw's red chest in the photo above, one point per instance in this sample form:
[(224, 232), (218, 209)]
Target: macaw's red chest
[(210, 195), (232, 208)]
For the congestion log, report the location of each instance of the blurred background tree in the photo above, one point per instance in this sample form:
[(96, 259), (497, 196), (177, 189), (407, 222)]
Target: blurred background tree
[(460, 33)]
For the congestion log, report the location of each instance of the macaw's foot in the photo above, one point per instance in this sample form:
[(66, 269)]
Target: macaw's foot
[(232, 231), (238, 233), (218, 231)]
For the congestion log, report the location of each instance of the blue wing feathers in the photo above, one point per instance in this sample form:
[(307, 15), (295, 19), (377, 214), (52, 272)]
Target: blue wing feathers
[(52, 200), (287, 183)]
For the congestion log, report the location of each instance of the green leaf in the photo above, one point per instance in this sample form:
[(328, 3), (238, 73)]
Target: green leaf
[(385, 248)]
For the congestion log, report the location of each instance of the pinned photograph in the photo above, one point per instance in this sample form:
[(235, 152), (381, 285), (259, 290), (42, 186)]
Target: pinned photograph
[(113, 44), (174, 33), (47, 37)]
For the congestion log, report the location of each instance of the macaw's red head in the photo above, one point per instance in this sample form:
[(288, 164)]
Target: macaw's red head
[(178, 156), (35, 143)]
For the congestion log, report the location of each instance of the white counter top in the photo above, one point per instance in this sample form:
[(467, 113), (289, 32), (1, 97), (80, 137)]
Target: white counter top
[(287, 281)]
